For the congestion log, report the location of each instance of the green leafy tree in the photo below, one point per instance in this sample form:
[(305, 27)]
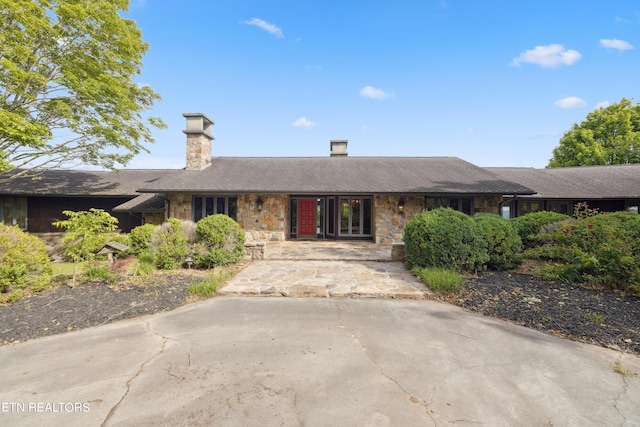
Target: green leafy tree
[(67, 89), (609, 136), (81, 231)]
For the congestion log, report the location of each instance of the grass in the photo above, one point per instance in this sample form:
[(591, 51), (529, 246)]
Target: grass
[(209, 285), (619, 368), (440, 280), (594, 317), (61, 268)]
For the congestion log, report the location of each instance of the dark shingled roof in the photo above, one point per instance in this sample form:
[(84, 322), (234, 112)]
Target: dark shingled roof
[(332, 175), (83, 183), (585, 182), (147, 202)]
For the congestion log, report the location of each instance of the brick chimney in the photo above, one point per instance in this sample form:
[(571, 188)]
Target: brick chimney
[(339, 147), (199, 139)]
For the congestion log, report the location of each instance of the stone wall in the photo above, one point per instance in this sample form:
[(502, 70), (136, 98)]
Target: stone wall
[(155, 218), (389, 222), (180, 206), (268, 225)]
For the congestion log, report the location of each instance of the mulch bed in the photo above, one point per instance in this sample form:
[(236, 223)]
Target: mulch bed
[(95, 303), (598, 317)]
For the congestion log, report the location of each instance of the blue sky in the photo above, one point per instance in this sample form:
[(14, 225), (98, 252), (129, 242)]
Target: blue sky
[(495, 83)]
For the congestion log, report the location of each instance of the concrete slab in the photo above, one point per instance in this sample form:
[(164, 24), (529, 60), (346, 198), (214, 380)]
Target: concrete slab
[(315, 362)]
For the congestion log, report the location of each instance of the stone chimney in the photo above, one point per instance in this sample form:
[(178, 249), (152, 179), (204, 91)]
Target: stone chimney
[(199, 139), (339, 147)]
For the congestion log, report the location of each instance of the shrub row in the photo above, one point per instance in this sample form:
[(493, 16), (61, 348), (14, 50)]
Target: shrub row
[(213, 241), (446, 238), (594, 248)]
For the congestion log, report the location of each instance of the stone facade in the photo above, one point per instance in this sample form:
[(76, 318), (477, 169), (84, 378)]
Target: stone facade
[(271, 223), (389, 221), (180, 206), (155, 218)]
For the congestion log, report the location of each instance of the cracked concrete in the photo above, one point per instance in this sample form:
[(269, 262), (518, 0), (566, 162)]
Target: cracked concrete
[(314, 362)]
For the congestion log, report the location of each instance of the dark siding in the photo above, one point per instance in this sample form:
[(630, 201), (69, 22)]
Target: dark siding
[(42, 211)]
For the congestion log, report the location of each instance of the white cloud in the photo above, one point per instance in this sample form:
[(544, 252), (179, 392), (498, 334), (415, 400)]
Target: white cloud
[(270, 28), (603, 104), (620, 20), (571, 102), (549, 56), (302, 122), (615, 44), (373, 93)]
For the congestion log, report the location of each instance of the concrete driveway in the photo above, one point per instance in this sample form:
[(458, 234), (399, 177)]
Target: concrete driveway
[(234, 361)]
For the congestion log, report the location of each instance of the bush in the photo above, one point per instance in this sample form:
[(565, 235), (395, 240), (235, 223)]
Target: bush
[(531, 224), (444, 238), (503, 242), (220, 241), (603, 249), (169, 245), (24, 263), (440, 280), (140, 238)]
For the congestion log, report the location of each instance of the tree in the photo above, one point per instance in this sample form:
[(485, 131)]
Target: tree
[(67, 89), (81, 232), (609, 136)]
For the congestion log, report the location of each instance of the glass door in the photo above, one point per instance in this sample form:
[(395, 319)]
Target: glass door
[(355, 216)]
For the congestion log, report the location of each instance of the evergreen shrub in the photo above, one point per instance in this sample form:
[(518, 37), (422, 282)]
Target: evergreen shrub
[(444, 238), (24, 263), (503, 242), (220, 241)]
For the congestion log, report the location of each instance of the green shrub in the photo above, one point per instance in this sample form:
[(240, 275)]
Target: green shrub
[(24, 263), (140, 238), (169, 245), (531, 224), (444, 238), (602, 249), (503, 242), (440, 280), (220, 241)]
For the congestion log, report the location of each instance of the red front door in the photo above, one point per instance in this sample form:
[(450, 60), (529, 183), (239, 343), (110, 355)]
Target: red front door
[(307, 218)]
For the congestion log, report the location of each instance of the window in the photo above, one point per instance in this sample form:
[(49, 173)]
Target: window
[(528, 207), (563, 207), (210, 205), (13, 211), (462, 204)]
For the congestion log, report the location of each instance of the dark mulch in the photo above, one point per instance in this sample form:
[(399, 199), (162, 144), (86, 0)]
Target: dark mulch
[(598, 317), (63, 309)]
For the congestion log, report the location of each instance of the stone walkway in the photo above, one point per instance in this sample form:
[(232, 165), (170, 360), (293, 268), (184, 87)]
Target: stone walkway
[(326, 269)]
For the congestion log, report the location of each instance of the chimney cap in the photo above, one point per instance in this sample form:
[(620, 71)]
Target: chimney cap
[(338, 147), (199, 124), (196, 115)]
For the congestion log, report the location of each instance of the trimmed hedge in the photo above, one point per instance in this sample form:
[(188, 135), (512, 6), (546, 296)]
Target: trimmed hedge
[(169, 245), (444, 238), (503, 241)]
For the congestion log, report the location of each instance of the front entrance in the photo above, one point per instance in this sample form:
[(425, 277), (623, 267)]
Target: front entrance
[(333, 217), (307, 218)]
